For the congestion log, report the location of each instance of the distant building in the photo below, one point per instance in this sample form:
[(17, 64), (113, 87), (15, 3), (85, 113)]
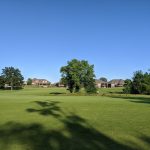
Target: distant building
[(110, 84), (40, 82), (116, 83), (100, 84), (59, 84)]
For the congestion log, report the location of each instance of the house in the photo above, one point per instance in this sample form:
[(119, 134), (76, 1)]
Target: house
[(40, 82), (24, 82), (116, 83), (100, 84), (110, 84), (59, 84)]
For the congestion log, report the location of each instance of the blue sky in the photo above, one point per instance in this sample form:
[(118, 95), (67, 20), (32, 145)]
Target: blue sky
[(40, 36)]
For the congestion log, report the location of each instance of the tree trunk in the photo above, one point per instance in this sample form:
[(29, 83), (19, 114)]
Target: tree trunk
[(11, 86)]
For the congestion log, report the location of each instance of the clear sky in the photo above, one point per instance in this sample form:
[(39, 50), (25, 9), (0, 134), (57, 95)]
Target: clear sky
[(40, 36)]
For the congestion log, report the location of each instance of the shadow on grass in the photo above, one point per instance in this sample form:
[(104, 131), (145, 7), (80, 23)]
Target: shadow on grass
[(80, 135), (46, 108), (135, 99), (146, 139), (35, 137), (115, 92), (57, 93)]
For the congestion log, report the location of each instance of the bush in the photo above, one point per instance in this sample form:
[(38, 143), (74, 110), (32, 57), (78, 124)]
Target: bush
[(140, 83)]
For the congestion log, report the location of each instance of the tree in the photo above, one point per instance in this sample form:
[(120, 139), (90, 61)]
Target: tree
[(140, 83), (103, 79), (146, 84), (2, 82), (78, 74), (12, 76), (137, 83), (127, 86), (29, 81)]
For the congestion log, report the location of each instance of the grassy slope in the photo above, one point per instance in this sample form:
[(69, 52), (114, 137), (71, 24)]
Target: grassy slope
[(32, 119)]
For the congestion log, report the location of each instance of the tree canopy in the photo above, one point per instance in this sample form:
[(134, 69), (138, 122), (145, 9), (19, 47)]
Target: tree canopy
[(2, 82), (103, 79), (78, 74), (29, 81), (140, 83), (12, 77)]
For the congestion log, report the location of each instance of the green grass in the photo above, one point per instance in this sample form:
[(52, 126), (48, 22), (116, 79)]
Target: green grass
[(117, 90), (46, 119)]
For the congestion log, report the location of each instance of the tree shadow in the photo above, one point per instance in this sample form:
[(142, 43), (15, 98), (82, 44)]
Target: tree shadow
[(135, 99), (146, 139), (80, 136), (115, 92), (57, 93), (77, 133), (46, 108)]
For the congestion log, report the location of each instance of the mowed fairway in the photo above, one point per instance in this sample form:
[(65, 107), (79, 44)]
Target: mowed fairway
[(34, 119)]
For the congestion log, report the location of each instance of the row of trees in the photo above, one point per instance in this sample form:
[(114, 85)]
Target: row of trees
[(140, 83), (11, 77), (76, 75)]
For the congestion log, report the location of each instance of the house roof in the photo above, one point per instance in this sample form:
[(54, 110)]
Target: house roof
[(116, 81), (39, 80), (99, 81)]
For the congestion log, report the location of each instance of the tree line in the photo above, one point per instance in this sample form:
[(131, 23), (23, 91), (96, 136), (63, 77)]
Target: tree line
[(139, 84), (78, 74)]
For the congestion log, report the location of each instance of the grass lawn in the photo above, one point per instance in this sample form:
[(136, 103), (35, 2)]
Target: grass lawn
[(46, 119)]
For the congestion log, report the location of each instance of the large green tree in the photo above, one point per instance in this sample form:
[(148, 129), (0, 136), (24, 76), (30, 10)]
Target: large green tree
[(12, 76), (78, 74), (127, 86), (137, 82), (29, 81), (2, 82), (140, 83)]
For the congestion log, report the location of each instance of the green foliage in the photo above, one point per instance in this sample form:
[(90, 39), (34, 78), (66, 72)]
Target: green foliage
[(127, 85), (29, 81), (90, 87), (2, 82), (140, 83), (103, 79), (146, 84), (78, 74), (12, 77)]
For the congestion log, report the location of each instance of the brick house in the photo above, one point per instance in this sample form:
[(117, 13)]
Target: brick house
[(110, 84), (116, 83), (100, 84), (40, 82)]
